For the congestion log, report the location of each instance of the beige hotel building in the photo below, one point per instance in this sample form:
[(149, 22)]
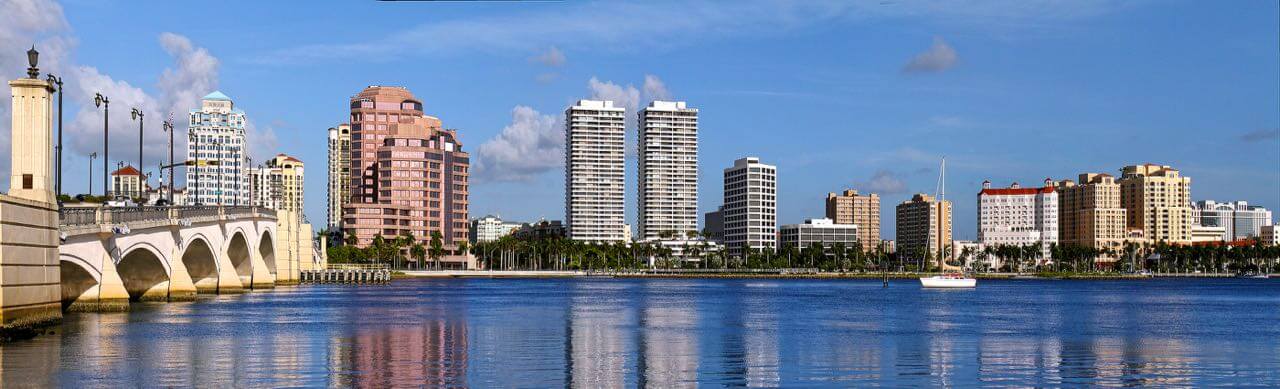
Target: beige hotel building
[(849, 207), (1090, 214), (1158, 200)]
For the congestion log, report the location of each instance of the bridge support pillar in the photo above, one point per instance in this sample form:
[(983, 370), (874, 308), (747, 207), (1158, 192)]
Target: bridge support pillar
[(228, 280), (109, 295), (262, 277), (180, 286)]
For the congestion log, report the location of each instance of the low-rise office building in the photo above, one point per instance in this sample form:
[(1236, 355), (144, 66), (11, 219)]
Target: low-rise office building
[(822, 231)]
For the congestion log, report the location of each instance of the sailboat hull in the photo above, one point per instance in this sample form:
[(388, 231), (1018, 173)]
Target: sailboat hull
[(943, 282)]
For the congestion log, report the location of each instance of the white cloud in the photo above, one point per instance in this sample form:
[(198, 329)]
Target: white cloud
[(884, 182), (937, 58), (622, 96), (546, 78), (531, 145), (655, 89), (264, 144), (551, 57), (194, 74)]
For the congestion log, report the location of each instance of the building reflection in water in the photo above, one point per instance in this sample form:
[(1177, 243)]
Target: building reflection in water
[(601, 347), (669, 335), (760, 334), (430, 353)]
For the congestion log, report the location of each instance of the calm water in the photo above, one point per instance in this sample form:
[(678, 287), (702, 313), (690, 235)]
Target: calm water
[(665, 333)]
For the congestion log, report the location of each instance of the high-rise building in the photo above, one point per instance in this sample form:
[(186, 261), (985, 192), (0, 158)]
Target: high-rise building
[(714, 225), (594, 187), (1018, 216), (1238, 219), (1089, 213), (750, 211), (408, 175), (491, 228), (339, 188), (668, 164), (821, 231), (278, 185), (849, 207), (1158, 201), (924, 227), (127, 182), (216, 143)]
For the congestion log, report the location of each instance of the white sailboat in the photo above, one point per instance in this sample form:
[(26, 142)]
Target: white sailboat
[(949, 280), (953, 279)]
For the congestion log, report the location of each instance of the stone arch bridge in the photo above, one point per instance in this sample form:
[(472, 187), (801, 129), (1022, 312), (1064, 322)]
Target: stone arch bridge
[(109, 256)]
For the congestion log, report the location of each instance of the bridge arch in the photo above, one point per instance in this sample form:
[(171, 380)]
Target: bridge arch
[(240, 256), (144, 273), (201, 262), (267, 250), (78, 277)]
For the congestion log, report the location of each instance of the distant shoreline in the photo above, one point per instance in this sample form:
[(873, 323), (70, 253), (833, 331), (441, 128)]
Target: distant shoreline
[(816, 276)]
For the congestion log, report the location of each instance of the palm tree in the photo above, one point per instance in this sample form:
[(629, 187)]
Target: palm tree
[(437, 248), (419, 253)]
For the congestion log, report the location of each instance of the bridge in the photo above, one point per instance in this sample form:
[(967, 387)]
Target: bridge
[(56, 257), (109, 256)]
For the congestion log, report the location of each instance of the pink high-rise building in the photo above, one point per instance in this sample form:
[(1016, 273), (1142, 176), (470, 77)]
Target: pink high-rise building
[(408, 175)]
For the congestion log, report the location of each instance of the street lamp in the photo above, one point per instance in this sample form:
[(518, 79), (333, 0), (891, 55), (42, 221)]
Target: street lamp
[(57, 182), (168, 127), (33, 57), (100, 100), (137, 114), (91, 157)]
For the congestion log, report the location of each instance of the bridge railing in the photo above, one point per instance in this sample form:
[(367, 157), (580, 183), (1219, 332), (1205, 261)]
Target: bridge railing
[(80, 216), (87, 216), (135, 214)]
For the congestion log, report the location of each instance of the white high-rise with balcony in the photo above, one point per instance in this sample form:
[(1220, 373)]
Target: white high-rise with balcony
[(750, 206), (216, 143), (594, 183), (668, 170)]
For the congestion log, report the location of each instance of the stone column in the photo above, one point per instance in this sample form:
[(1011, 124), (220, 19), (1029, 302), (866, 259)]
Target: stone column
[(30, 279)]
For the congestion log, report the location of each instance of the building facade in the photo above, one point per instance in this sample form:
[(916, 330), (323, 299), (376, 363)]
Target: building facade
[(668, 170), (849, 207), (924, 227), (594, 183), (1089, 213), (491, 228), (339, 185), (408, 175), (278, 184), (1018, 216), (1238, 219), (750, 207), (1269, 236), (216, 143), (821, 231), (127, 182), (713, 225), (1158, 201)]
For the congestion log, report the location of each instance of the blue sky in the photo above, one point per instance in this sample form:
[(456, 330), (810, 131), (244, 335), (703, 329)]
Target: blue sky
[(867, 95)]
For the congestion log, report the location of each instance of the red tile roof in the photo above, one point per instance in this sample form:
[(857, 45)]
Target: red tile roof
[(127, 171)]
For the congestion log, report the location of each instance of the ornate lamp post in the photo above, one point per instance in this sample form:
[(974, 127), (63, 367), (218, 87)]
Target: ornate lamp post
[(57, 182), (101, 101), (137, 114)]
